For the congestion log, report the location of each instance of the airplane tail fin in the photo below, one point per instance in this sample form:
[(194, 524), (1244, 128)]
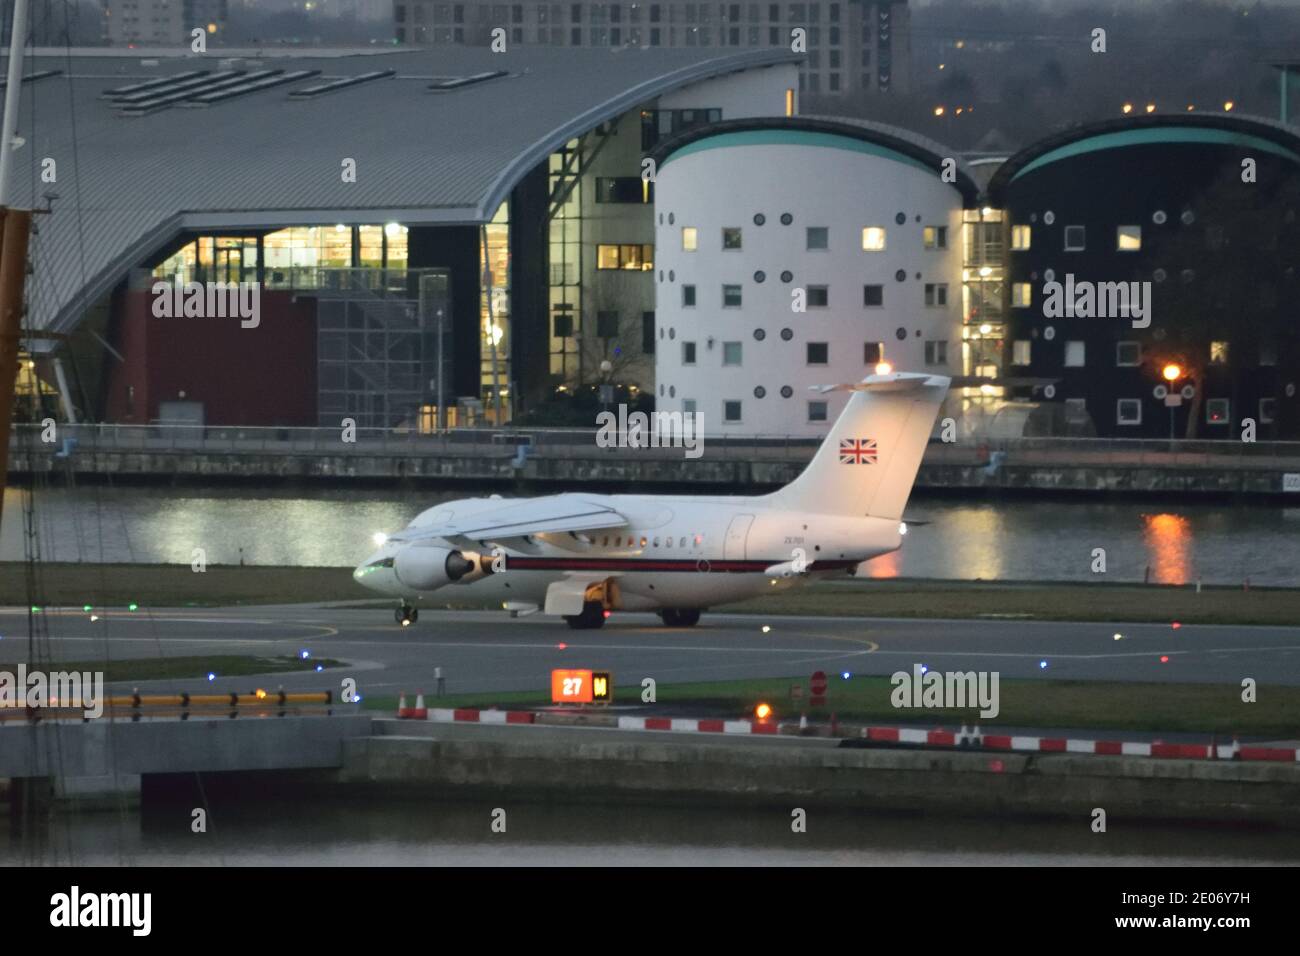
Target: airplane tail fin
[(868, 462)]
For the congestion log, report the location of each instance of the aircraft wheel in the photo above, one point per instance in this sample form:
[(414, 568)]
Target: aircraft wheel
[(592, 617), (406, 615), (680, 617)]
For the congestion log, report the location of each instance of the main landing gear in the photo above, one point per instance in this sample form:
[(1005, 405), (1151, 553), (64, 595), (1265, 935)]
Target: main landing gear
[(592, 617), (680, 617), (406, 615)]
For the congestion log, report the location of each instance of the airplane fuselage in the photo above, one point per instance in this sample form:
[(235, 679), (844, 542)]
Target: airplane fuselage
[(675, 552)]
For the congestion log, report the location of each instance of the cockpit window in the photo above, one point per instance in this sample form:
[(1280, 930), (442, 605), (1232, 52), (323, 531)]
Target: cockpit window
[(383, 563)]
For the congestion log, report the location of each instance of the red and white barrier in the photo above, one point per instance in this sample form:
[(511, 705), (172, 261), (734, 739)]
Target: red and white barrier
[(692, 725), (446, 715), (947, 738)]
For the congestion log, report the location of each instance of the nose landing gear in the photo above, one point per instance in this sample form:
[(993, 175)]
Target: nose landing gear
[(406, 615)]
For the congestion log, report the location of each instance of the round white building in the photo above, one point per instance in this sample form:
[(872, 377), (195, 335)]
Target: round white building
[(799, 252)]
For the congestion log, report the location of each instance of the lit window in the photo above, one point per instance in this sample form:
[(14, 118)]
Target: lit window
[(689, 238), (730, 413), (818, 296), (818, 237), (731, 353), (873, 239), (1074, 353), (817, 411), (1020, 237), (1020, 352), (1021, 295), (936, 352), (935, 237), (1128, 354), (1128, 411), (730, 238), (731, 296), (1217, 411), (637, 258), (818, 353), (936, 293), (1075, 238), (1218, 353), (873, 295), (1128, 238)]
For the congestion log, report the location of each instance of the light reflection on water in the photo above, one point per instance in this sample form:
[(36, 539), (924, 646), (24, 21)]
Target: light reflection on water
[(1006, 539), (270, 831)]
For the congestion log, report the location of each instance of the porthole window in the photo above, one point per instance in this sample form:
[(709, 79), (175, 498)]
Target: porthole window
[(672, 276), (759, 219), (759, 335), (671, 218), (672, 333), (682, 542), (787, 276), (661, 222), (1049, 217), (661, 275), (786, 219), (901, 275), (918, 275), (1188, 217), (786, 391), (1049, 275), (672, 391), (900, 333), (656, 542), (760, 392), (643, 541), (1049, 333), (1188, 275), (1159, 217), (1160, 275), (918, 217), (661, 391), (901, 218), (787, 334), (760, 276)]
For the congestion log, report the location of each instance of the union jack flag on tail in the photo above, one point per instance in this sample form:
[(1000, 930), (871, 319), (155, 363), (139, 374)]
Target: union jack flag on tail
[(857, 451)]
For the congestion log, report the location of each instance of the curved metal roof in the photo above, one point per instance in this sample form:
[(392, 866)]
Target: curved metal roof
[(905, 145), (1196, 129), (127, 184)]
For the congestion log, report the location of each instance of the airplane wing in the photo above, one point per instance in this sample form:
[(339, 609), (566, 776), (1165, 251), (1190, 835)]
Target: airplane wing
[(556, 513)]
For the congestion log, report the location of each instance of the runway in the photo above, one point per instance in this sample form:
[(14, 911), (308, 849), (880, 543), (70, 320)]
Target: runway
[(488, 651)]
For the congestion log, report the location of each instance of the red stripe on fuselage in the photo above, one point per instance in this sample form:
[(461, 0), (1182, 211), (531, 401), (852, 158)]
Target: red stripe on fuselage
[(693, 565)]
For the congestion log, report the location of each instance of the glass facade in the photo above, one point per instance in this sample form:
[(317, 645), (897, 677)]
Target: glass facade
[(494, 316), (290, 258)]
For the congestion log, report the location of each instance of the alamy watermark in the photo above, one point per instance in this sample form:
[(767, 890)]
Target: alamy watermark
[(55, 689), (1098, 300), (954, 690), (209, 300), (651, 430)]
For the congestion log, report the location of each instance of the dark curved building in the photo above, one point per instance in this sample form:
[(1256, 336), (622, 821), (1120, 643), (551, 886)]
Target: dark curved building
[(1194, 218)]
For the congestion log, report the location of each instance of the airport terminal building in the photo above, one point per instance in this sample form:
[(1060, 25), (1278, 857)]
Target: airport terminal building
[(454, 226)]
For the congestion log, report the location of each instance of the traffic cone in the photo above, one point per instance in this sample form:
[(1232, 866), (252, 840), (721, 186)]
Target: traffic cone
[(403, 711), (420, 712)]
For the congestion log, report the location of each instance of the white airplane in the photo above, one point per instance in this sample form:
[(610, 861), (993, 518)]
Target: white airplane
[(582, 556)]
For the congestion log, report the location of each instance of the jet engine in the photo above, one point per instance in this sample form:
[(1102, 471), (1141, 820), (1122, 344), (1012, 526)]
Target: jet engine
[(427, 569)]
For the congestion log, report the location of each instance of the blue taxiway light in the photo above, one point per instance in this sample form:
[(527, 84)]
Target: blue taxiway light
[(319, 668), (846, 675), (1042, 665), (211, 676), (304, 653)]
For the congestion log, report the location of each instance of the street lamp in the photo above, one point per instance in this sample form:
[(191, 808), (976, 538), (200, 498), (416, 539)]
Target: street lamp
[(1171, 373)]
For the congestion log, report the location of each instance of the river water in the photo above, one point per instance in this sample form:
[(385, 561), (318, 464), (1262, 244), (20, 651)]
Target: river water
[(1006, 539), (339, 832)]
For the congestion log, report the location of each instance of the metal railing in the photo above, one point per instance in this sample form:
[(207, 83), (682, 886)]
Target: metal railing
[(576, 442)]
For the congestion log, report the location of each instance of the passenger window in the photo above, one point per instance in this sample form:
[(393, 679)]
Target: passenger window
[(656, 542), (683, 543)]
